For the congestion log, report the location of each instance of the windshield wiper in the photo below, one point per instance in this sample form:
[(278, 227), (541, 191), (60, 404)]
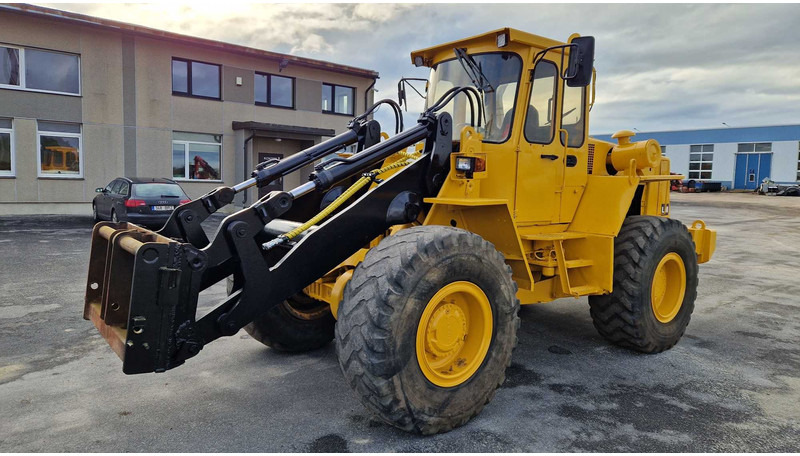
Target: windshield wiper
[(473, 70)]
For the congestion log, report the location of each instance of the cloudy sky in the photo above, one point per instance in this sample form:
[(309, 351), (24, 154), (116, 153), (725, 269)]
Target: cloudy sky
[(659, 67)]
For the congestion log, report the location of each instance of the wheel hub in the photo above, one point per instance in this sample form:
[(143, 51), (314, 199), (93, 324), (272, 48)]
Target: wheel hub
[(447, 330), (454, 334), (668, 287)]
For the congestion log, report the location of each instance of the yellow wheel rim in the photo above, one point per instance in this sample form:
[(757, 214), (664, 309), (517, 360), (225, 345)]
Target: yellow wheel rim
[(668, 288), (454, 334)]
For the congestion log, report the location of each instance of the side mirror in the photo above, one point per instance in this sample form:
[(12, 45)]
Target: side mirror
[(99, 190), (581, 62)]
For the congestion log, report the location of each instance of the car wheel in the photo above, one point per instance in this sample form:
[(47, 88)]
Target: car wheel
[(114, 217), (95, 215)]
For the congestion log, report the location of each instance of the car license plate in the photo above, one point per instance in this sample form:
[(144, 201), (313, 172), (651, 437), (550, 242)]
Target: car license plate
[(163, 208)]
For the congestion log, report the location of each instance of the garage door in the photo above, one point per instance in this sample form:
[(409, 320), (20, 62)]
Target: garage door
[(750, 169)]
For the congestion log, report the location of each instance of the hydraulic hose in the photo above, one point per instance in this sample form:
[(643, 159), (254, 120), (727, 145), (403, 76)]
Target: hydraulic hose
[(365, 179)]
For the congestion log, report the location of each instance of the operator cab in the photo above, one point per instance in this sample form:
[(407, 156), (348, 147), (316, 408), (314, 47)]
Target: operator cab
[(500, 65)]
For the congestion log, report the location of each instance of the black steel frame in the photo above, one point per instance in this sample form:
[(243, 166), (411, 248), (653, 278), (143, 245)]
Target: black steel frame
[(168, 277)]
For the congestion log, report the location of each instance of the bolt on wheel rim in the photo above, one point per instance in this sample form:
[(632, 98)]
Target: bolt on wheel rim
[(668, 287), (454, 334)]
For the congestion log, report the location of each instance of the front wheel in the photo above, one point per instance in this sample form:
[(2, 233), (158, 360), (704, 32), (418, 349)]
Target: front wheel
[(655, 286), (426, 327)]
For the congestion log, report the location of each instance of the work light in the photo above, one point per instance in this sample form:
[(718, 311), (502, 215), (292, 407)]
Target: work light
[(466, 164), (502, 40)]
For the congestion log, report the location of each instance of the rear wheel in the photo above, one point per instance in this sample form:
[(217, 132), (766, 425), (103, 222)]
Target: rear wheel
[(114, 217), (298, 324), (655, 286), (426, 327)]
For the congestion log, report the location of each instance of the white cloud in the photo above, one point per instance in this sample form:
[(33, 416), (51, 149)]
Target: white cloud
[(659, 66)]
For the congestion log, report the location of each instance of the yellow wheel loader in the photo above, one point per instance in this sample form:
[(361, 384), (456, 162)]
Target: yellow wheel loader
[(416, 251)]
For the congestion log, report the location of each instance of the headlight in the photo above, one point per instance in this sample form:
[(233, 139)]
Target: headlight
[(466, 164)]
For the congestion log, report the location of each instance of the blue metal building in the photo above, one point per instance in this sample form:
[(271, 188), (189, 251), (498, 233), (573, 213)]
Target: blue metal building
[(738, 158)]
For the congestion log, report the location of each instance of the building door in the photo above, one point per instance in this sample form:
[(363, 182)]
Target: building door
[(750, 169), (274, 185)]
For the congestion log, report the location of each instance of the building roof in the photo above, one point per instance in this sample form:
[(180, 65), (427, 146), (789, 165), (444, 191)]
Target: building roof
[(278, 128), (718, 135), (91, 21)]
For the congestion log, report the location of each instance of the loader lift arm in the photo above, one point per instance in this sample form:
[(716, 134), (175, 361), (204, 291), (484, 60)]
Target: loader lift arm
[(185, 221), (143, 287)]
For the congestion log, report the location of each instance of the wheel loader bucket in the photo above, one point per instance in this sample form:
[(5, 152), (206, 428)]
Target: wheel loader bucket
[(136, 280)]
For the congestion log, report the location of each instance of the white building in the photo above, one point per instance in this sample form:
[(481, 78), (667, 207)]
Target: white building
[(738, 158)]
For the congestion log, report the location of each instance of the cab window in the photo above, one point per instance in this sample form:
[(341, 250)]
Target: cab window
[(502, 69), (572, 119), (539, 119)]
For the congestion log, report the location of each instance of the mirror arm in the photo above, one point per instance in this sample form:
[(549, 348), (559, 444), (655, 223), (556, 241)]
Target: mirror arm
[(540, 56)]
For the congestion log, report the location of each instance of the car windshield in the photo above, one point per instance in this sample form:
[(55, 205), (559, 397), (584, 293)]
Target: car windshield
[(158, 191), (502, 69)]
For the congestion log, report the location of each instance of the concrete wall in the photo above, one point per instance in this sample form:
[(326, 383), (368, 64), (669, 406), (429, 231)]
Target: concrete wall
[(154, 86), (128, 113), (98, 109)]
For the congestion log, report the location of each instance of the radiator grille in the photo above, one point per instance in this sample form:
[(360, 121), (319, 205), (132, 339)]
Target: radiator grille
[(590, 159)]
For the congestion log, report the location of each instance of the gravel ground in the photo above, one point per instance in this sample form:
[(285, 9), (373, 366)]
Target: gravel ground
[(731, 384)]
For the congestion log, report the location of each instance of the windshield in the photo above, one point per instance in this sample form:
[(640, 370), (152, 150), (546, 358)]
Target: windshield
[(502, 69), (158, 191)]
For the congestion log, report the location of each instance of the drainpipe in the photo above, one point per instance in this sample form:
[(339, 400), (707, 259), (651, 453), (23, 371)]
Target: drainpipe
[(366, 98), (244, 159)]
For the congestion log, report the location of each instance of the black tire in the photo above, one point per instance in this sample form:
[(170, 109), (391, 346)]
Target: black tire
[(626, 316), (380, 312), (95, 215), (114, 217), (297, 325)]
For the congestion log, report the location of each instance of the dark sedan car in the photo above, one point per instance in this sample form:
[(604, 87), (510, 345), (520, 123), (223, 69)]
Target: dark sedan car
[(140, 200)]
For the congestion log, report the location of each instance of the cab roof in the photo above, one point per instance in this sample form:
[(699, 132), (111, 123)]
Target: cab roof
[(514, 36)]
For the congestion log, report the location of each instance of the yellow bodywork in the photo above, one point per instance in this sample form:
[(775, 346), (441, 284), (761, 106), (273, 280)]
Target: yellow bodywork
[(552, 209)]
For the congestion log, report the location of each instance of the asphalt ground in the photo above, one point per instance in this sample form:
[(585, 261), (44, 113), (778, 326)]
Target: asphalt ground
[(731, 384)]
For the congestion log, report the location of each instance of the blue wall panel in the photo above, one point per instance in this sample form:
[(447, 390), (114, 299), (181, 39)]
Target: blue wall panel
[(718, 135)]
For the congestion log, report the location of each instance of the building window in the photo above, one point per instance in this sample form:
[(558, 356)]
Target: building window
[(59, 150), (755, 147), (338, 99), (663, 150), (196, 156), (701, 158), (274, 90), (39, 70), (196, 79), (6, 148)]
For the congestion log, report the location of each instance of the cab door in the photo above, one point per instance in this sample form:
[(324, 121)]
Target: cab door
[(540, 161), (572, 137)]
